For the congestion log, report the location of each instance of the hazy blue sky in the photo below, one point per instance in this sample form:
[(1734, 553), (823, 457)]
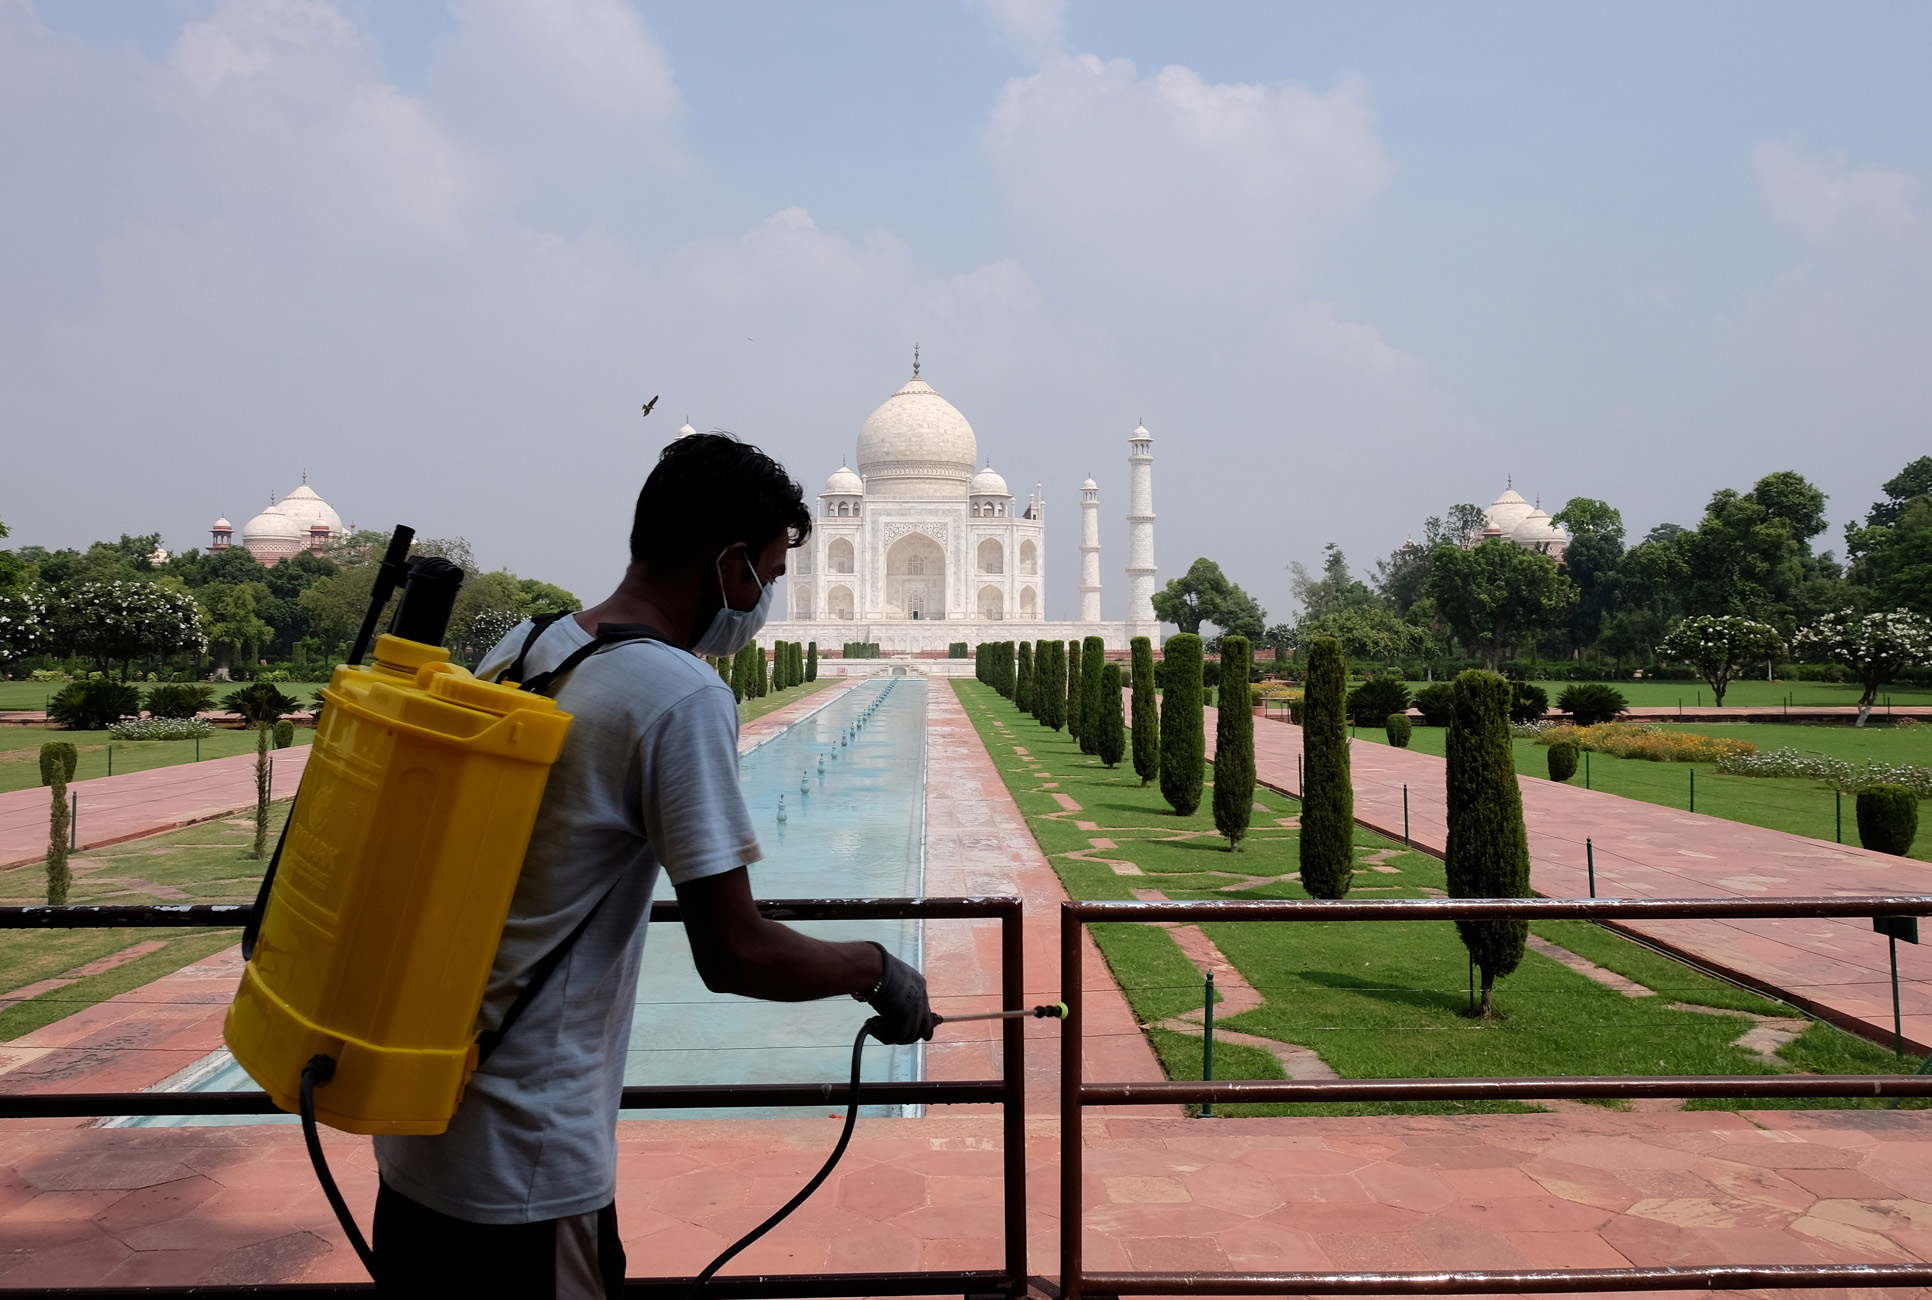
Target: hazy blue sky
[(1351, 263)]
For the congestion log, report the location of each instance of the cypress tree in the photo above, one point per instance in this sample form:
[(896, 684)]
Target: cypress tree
[(1010, 668), (1093, 658), (777, 666), (1023, 686), (1488, 852), (798, 664), (1075, 697), (1327, 797), (811, 662), (1037, 692), (1110, 732), (1053, 686), (741, 674), (1147, 725), (1183, 738), (1234, 744), (57, 760), (760, 679), (979, 663)]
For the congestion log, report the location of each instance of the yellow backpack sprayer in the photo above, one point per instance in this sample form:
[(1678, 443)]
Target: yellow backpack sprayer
[(381, 911)]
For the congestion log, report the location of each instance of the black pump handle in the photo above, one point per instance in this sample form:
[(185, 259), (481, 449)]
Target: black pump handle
[(390, 574)]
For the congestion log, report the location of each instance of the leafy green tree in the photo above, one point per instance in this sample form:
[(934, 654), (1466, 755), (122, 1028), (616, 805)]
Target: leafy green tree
[(1496, 594), (1368, 632), (1110, 732), (1720, 646), (1334, 591), (128, 620), (1092, 701), (1147, 724), (1328, 793), (1183, 725), (1076, 695), (1234, 744), (1875, 647), (1590, 560), (1023, 678), (1891, 555), (1241, 615), (236, 629), (1752, 550), (1488, 850), (1192, 599)]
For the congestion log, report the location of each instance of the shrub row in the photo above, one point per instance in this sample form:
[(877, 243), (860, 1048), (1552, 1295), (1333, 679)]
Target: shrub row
[(1834, 772), (162, 729), (1632, 740)]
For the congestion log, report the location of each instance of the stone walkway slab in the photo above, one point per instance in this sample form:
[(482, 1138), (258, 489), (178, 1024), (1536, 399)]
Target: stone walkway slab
[(1837, 970)]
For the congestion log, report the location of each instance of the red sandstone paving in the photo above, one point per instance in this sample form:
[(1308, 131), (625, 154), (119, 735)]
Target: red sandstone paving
[(92, 1206), (1836, 969)]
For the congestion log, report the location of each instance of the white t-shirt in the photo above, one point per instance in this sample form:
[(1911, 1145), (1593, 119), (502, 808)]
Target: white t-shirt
[(648, 776)]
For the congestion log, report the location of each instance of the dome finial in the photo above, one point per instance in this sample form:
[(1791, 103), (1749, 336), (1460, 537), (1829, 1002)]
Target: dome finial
[(915, 361)]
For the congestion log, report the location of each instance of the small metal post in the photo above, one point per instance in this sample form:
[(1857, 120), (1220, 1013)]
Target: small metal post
[(1405, 814), (73, 824), (197, 749), (1207, 1046), (1299, 787), (1586, 769), (1898, 1033), (1472, 985), (1693, 806), (1838, 816), (110, 760), (1590, 860)]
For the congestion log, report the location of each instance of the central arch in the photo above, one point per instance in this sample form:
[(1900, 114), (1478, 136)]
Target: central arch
[(915, 578)]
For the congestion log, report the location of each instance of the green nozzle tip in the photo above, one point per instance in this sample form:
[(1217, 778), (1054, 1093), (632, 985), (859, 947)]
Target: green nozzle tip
[(1061, 1008)]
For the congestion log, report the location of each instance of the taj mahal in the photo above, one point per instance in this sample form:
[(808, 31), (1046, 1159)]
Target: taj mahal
[(916, 545)]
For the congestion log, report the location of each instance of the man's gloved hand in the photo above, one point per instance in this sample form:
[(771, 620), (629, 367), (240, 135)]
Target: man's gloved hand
[(905, 1016)]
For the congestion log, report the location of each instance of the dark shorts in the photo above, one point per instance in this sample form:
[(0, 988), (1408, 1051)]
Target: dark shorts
[(422, 1254)]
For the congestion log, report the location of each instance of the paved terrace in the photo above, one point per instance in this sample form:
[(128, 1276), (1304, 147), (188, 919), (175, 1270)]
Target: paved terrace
[(1837, 970)]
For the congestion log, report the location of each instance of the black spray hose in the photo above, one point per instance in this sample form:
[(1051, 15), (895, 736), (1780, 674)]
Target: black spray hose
[(1055, 1010), (321, 1069)]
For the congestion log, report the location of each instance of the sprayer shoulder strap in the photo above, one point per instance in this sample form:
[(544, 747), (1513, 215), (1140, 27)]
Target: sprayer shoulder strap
[(490, 1039), (606, 636)]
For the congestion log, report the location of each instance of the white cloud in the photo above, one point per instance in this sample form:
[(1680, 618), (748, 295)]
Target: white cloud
[(1173, 175), (1035, 28), (1825, 201), (245, 39)]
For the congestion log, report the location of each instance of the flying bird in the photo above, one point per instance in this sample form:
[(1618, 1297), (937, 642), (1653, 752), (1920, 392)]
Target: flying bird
[(648, 405)]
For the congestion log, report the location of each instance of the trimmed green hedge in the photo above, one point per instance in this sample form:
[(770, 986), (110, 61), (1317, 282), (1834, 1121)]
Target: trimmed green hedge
[(1183, 737), (1488, 851), (1147, 718), (1234, 744), (1888, 818), (1327, 797)]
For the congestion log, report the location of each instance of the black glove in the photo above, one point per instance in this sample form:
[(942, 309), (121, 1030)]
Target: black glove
[(900, 999)]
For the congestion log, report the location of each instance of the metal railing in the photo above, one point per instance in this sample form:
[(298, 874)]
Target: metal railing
[(1076, 1095), (1007, 1092)]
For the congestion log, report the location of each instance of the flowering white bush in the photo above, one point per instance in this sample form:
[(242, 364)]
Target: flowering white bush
[(161, 729), (1834, 772), (1876, 647), (127, 620), (1718, 645), (24, 627)]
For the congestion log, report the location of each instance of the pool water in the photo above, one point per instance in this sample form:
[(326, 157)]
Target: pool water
[(852, 778)]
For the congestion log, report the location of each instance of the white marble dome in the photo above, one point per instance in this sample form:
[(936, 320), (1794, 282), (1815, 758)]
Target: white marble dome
[(844, 483), (272, 524), (917, 445), (1508, 511), (989, 483), (307, 510)]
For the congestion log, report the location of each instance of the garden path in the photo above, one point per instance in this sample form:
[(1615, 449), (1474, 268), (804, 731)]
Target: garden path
[(1837, 970)]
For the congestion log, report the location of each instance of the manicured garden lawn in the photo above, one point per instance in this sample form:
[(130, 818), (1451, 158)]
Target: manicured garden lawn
[(1758, 694), (34, 695), (208, 863), (1372, 999), (20, 751), (1803, 807)]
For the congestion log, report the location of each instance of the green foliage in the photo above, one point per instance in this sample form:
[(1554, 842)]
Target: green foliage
[(1052, 705), (180, 699), (1563, 758), (1147, 725), (1488, 850), (1204, 594), (1076, 661), (284, 734), (1377, 698), (1497, 594), (92, 705), (1527, 702), (1093, 658), (1719, 646), (1183, 767), (57, 760), (954, 649), (1110, 730), (1234, 744), (1437, 702), (1400, 729), (1023, 678), (1367, 632), (1888, 818), (1328, 796), (811, 660), (741, 674), (861, 650), (1591, 703), (261, 704)]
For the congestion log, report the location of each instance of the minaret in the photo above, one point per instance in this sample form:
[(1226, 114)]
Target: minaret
[(1140, 536), (1090, 552)]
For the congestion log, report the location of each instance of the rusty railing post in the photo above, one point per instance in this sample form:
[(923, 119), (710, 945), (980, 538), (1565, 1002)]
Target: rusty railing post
[(1071, 1263), (1013, 1070)]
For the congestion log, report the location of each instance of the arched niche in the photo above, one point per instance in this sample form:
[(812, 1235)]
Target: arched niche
[(915, 578), (1029, 558), (992, 603), (992, 556), (838, 556)]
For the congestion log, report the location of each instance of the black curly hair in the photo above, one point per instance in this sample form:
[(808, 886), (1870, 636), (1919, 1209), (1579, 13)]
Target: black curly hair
[(710, 488)]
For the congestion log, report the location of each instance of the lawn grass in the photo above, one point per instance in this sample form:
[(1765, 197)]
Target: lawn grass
[(1797, 805), (1372, 999), (1749, 694), (206, 863), (20, 752), (34, 695), (759, 707)]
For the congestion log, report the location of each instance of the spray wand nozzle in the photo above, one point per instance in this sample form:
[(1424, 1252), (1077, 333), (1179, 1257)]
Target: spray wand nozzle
[(1047, 1011)]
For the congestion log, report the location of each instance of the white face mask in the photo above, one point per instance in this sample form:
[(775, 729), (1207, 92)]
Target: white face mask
[(731, 629)]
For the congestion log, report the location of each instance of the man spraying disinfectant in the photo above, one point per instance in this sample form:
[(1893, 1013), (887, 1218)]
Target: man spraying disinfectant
[(516, 1197)]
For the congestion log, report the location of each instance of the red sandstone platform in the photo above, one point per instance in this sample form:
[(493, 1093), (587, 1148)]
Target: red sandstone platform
[(1835, 969)]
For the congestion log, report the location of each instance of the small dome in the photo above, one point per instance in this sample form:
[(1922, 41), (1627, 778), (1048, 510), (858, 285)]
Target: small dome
[(222, 526), (988, 483), (1508, 510), (1141, 434), (1537, 528), (270, 524), (685, 431), (844, 483), (1090, 486)]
